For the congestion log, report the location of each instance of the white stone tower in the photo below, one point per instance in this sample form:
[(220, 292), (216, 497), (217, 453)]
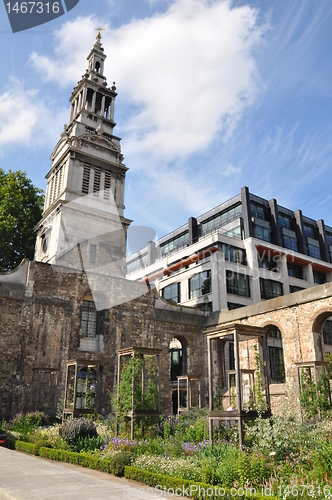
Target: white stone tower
[(84, 200)]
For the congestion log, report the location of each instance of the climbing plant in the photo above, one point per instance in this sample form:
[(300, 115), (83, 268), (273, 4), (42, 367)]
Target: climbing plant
[(261, 405), (145, 392)]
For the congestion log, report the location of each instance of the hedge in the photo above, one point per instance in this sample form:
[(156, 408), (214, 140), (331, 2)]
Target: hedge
[(114, 466), (186, 487)]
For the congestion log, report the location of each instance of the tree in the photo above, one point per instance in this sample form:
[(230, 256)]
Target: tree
[(21, 206)]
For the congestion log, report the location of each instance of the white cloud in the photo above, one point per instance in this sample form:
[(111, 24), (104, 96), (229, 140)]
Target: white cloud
[(188, 73), (25, 119)]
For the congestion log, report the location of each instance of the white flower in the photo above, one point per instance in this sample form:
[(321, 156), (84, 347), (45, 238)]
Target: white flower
[(272, 453)]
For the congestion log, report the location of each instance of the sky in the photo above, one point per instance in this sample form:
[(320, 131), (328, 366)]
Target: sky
[(213, 95)]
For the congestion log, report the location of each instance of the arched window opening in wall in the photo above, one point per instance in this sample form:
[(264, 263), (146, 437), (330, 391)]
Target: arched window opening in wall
[(89, 318), (276, 356), (177, 358), (327, 332), (97, 67)]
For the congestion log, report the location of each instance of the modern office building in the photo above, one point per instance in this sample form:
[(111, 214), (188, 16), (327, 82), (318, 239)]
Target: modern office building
[(243, 251)]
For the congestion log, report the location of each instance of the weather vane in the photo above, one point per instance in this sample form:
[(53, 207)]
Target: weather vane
[(99, 30)]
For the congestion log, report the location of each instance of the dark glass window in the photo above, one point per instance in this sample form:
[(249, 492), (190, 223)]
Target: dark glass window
[(237, 284), (89, 319), (286, 222), (319, 278), (276, 355), (293, 289), (236, 232), (296, 272), (290, 243), (171, 293), (266, 263), (174, 244), (314, 251), (329, 239), (210, 225), (262, 233), (258, 210), (233, 254), (270, 288), (327, 332), (231, 357), (234, 305), (200, 284), (309, 231)]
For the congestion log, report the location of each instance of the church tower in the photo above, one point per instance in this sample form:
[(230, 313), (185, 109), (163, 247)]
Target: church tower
[(84, 200)]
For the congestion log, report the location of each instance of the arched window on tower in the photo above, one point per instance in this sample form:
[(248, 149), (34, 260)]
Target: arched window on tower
[(97, 67), (276, 355)]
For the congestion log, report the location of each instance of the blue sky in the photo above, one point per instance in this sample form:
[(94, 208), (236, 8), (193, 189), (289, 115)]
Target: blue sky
[(213, 95)]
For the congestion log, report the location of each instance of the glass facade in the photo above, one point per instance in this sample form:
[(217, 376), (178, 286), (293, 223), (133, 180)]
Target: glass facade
[(329, 239), (286, 222), (314, 251), (259, 211), (233, 254), (293, 289), (137, 264), (221, 219), (319, 278), (262, 233), (172, 293), (290, 243), (174, 244), (266, 263), (237, 284), (200, 284), (270, 289), (296, 272)]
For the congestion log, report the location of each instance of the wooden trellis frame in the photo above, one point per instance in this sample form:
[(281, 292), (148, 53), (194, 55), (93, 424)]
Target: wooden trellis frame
[(132, 351), (189, 379), (78, 365), (237, 333)]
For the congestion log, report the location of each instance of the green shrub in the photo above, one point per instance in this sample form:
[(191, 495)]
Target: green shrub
[(77, 428), (28, 422), (199, 490), (119, 462), (27, 447), (83, 459), (41, 443), (88, 443)]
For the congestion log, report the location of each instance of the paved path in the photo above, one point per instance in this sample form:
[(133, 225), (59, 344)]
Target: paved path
[(24, 477)]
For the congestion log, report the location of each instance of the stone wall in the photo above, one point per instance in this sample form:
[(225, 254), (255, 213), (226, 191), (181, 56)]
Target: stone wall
[(41, 333)]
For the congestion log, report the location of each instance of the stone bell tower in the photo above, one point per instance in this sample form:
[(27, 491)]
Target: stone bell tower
[(84, 201)]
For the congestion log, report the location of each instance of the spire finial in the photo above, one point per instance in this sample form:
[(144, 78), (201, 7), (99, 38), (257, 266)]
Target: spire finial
[(99, 34)]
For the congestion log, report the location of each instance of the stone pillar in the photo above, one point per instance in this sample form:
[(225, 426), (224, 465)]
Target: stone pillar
[(85, 93), (93, 105), (102, 111)]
